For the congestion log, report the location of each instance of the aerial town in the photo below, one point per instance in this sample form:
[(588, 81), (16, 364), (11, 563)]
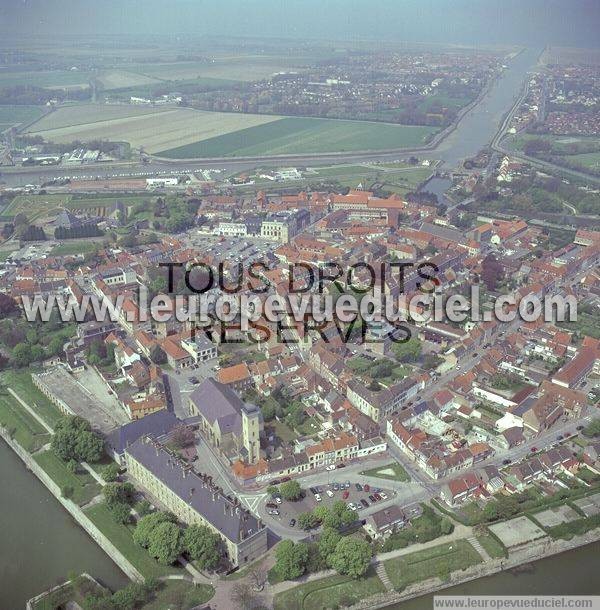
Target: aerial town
[(258, 456)]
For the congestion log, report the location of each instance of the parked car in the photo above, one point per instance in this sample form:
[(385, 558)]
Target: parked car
[(317, 497), (358, 486), (292, 522), (567, 434), (372, 498), (330, 467), (377, 496), (274, 512), (286, 479), (345, 495), (329, 493), (194, 380), (335, 486), (313, 490), (271, 505), (559, 437), (506, 461), (383, 495), (580, 427), (364, 502), (278, 500), (366, 487), (341, 465)]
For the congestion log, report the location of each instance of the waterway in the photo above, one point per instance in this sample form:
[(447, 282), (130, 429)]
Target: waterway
[(571, 573), (40, 544)]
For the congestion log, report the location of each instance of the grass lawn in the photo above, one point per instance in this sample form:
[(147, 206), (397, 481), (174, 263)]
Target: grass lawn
[(84, 486), (398, 474), (284, 432), (121, 537), (179, 594), (329, 593), (54, 78), (308, 427), (437, 561), (23, 428), (585, 474), (75, 591), (22, 384), (493, 547), (305, 135)]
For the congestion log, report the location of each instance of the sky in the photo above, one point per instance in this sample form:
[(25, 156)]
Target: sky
[(474, 22)]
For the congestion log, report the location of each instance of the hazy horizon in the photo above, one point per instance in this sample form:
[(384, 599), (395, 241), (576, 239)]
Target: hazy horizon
[(472, 22)]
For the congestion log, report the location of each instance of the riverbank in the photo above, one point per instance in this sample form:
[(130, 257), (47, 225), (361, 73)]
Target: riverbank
[(73, 509), (528, 554)]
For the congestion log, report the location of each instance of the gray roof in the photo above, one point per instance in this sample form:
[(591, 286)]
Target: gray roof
[(223, 512), (157, 424), (218, 402)]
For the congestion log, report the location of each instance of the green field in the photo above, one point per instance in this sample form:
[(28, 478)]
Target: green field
[(305, 135), (331, 592), (23, 428), (438, 561), (15, 115), (83, 484), (50, 79), (21, 383)]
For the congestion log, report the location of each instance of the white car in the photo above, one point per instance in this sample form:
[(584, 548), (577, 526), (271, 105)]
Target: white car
[(278, 500), (383, 495), (329, 493), (317, 497), (330, 467)]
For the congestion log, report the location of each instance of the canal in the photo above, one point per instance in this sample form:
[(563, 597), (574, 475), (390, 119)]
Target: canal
[(40, 544)]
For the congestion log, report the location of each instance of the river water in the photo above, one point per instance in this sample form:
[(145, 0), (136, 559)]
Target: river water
[(40, 543), (571, 573)]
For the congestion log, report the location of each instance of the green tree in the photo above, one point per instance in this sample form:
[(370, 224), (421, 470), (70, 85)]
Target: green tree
[(328, 542), (290, 559), (351, 557), (408, 351), (307, 520), (22, 355), (202, 545), (593, 428), (119, 493), (339, 516), (143, 508), (146, 525), (166, 543), (120, 512), (290, 490), (74, 440), (111, 473)]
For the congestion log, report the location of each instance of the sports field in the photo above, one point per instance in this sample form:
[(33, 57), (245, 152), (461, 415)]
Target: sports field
[(154, 129), (304, 135)]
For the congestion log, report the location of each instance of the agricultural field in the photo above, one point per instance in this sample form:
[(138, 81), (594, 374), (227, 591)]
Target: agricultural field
[(120, 79), (88, 114), (304, 135), (15, 115), (151, 128), (55, 79), (241, 68)]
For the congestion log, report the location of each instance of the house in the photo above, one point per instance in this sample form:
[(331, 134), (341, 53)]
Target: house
[(461, 488), (177, 357), (237, 376), (385, 521), (591, 456)]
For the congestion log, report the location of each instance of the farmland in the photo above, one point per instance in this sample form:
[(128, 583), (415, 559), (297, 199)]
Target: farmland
[(151, 128), (119, 79), (304, 135), (242, 68), (15, 115), (52, 79)]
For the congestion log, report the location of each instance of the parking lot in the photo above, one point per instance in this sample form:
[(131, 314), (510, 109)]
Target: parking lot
[(326, 495)]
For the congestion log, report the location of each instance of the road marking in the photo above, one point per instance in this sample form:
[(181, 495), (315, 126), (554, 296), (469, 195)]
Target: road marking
[(253, 501)]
